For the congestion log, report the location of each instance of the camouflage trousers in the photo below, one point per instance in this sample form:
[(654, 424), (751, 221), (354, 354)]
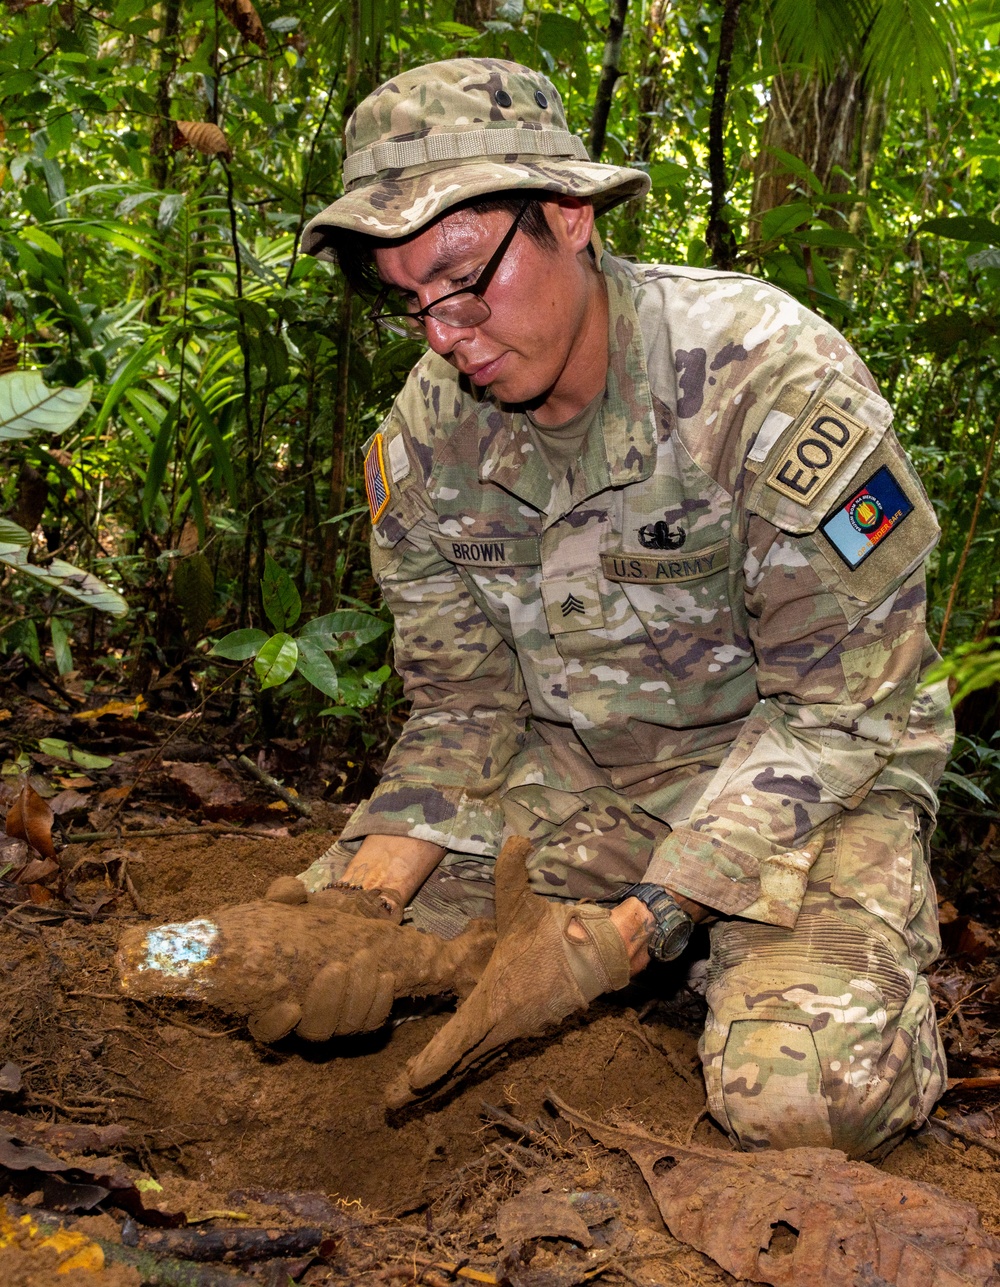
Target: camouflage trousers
[(821, 1035)]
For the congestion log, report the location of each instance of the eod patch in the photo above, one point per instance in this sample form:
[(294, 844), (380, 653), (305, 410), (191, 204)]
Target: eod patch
[(866, 518), (811, 460)]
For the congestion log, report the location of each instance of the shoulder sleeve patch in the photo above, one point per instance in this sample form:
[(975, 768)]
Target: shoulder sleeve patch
[(376, 482), (874, 511), (810, 460), (806, 455)]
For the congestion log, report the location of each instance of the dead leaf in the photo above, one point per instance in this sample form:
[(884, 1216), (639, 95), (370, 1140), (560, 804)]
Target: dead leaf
[(246, 20), (4, 715), (539, 1215), (30, 818), (64, 1135), (68, 802), (113, 794), (76, 783), (187, 542), (130, 709), (37, 870), (807, 1217), (39, 894), (203, 136), (207, 785), (10, 1079)]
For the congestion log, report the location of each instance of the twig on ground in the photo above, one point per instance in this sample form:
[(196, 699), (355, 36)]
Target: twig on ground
[(283, 793), (210, 829), (966, 1136), (671, 1056)]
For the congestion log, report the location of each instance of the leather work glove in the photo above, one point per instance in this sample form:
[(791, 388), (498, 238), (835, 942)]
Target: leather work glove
[(538, 974), (298, 960)]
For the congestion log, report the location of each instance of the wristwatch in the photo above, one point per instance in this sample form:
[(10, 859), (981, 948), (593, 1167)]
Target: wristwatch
[(673, 925)]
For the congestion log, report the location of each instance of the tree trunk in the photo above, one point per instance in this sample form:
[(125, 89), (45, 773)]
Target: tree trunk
[(719, 235), (820, 123), (610, 74), (473, 13)]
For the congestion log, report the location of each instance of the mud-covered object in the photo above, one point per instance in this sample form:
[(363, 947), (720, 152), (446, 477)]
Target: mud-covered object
[(551, 960), (305, 966)]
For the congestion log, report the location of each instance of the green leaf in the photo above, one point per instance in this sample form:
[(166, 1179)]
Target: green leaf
[(156, 471), (28, 406), (42, 240), (665, 174), (799, 168), (60, 646), (783, 219), (316, 666), (963, 229), (24, 636), (825, 237), (344, 630), (281, 599), (239, 645), (988, 258), (276, 660), (81, 585), (61, 750), (13, 537)]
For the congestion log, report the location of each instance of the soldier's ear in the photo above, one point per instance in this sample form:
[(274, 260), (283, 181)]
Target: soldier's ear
[(571, 220)]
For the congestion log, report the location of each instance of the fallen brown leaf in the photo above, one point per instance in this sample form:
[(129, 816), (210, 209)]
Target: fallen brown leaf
[(30, 818), (68, 802), (203, 136), (37, 870), (246, 20), (807, 1217), (130, 709), (39, 894)]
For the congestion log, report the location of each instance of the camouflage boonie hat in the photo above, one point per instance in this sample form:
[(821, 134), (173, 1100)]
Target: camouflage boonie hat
[(435, 136)]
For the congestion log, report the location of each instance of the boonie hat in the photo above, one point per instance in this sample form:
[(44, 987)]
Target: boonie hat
[(442, 133)]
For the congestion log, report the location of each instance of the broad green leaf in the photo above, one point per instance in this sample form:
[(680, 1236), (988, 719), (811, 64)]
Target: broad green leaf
[(156, 471), (13, 537), (60, 646), (276, 660), (62, 750), (798, 167), (23, 635), (782, 219), (963, 229), (316, 666), (38, 237), (239, 645), (988, 258), (281, 599), (825, 237), (345, 630), (665, 174), (72, 581), (28, 406)]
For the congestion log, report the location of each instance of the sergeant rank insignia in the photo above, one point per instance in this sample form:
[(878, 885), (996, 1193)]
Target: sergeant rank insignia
[(376, 482), (867, 517)]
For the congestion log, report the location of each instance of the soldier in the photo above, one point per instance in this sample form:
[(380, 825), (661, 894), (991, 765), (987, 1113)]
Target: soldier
[(655, 560)]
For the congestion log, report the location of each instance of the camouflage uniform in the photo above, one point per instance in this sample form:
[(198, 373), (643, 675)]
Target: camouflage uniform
[(693, 660)]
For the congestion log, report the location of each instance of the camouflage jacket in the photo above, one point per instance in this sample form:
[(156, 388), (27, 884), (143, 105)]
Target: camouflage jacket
[(719, 612)]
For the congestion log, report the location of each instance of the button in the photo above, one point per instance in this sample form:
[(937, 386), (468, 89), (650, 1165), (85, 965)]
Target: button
[(541, 100), (502, 98)]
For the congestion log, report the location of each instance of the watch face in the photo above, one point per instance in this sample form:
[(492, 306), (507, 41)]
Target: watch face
[(672, 935)]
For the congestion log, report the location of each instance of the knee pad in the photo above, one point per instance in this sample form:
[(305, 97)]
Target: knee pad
[(799, 1051)]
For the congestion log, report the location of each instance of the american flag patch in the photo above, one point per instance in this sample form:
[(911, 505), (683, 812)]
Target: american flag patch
[(376, 483)]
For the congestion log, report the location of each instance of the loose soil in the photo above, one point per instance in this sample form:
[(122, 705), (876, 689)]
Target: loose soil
[(208, 1106)]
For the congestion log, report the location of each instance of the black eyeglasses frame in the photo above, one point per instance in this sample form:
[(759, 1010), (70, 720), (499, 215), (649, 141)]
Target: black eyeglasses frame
[(404, 322)]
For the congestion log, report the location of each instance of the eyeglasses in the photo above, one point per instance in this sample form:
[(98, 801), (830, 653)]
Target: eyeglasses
[(465, 307)]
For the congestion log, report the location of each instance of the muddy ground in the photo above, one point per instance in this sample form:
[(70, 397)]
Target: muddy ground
[(205, 1104)]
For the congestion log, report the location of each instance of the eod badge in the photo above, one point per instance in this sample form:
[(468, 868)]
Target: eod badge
[(867, 517)]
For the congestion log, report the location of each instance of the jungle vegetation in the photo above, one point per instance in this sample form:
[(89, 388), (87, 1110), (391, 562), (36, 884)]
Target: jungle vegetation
[(158, 163)]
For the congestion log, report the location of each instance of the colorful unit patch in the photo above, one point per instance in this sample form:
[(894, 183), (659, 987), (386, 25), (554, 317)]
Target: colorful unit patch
[(867, 518), (376, 482)]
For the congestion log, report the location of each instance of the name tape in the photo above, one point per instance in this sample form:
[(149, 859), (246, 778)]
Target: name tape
[(501, 551), (643, 570), (814, 454)]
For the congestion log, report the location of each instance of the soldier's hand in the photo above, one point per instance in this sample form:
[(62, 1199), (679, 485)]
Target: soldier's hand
[(301, 962), (550, 960)]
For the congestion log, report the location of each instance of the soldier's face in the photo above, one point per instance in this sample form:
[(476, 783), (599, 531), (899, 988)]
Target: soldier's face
[(541, 298)]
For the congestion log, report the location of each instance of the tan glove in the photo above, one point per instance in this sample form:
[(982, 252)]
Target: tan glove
[(538, 974), (307, 964)]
